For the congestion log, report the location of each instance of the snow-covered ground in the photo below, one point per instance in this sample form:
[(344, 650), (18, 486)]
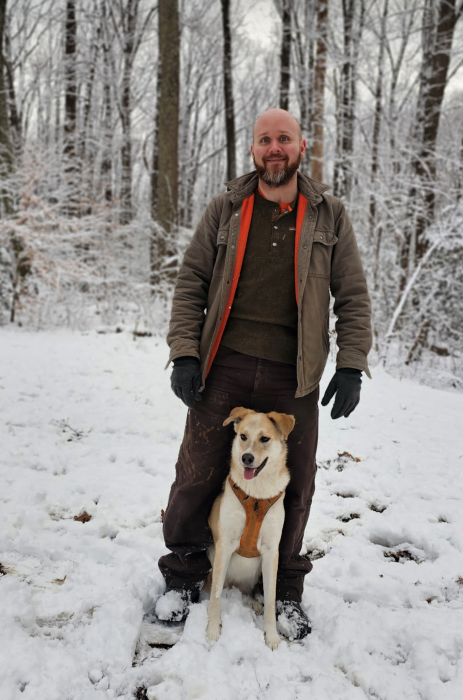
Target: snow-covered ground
[(89, 425)]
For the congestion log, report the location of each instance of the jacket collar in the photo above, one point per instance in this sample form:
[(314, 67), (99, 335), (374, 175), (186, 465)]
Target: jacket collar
[(246, 185)]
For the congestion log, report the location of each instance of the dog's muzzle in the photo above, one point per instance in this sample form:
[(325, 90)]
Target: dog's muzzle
[(249, 471)]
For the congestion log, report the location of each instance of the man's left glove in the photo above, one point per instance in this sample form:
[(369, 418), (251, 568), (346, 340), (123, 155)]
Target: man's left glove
[(346, 384), (186, 380)]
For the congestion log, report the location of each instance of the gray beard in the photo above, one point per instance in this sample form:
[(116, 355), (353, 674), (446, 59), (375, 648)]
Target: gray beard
[(279, 178)]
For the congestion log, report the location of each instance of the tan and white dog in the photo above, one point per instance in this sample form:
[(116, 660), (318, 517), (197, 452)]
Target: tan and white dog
[(247, 518)]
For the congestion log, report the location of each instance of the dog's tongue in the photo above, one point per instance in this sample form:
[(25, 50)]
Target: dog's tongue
[(249, 473)]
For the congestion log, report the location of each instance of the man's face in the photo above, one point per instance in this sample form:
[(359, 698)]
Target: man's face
[(277, 149)]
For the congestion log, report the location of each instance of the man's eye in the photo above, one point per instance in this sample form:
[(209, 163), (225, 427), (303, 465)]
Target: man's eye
[(284, 138), (242, 436), (264, 439), (264, 139)]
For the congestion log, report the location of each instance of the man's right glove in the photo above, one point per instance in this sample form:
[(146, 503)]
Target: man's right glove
[(186, 380)]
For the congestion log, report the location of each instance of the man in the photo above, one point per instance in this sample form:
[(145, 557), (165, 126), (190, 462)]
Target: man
[(249, 327)]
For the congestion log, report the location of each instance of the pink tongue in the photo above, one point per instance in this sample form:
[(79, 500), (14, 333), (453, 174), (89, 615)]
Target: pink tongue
[(249, 473)]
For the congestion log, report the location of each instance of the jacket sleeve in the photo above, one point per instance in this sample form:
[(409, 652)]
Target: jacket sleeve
[(192, 287), (351, 299)]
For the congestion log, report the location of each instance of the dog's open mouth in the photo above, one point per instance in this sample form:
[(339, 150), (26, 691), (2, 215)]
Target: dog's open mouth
[(251, 472)]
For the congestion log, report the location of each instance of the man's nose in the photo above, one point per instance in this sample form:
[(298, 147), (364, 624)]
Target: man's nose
[(275, 147)]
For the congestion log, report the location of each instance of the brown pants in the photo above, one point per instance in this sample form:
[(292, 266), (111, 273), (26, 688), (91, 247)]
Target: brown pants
[(204, 461)]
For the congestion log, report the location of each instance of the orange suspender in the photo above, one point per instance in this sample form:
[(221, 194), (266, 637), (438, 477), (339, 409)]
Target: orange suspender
[(301, 207), (246, 216)]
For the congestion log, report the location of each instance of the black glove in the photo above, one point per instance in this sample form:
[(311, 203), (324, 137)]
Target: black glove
[(186, 380), (346, 384)]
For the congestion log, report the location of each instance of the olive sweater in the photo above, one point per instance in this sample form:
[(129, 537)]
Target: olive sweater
[(263, 318)]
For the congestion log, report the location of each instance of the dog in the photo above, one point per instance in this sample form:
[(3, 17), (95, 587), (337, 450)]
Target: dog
[(253, 493)]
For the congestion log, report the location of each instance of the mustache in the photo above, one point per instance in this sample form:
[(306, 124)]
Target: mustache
[(285, 158)]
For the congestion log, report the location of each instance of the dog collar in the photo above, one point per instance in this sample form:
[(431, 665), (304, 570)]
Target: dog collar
[(256, 509)]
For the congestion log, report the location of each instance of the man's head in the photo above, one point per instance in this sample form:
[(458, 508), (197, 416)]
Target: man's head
[(278, 147)]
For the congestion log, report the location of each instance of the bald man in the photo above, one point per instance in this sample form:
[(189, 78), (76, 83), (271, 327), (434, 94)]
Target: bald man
[(249, 327)]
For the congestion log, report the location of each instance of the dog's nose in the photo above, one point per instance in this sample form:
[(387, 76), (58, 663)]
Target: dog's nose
[(247, 459)]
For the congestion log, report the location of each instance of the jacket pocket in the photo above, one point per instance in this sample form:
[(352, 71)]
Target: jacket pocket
[(322, 250), (222, 244)]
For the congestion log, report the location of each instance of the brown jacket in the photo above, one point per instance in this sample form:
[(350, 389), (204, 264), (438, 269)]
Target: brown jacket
[(326, 258)]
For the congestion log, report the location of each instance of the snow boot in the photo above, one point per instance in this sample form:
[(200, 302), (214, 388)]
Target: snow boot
[(174, 606), (292, 621)]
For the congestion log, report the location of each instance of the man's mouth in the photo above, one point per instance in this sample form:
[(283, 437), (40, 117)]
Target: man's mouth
[(251, 472)]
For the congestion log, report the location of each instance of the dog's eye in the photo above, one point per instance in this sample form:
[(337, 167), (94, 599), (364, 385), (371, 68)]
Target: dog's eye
[(243, 436), (264, 439)]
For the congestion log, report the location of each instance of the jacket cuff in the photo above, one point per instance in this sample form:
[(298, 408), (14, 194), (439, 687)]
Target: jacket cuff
[(353, 359), (182, 350)]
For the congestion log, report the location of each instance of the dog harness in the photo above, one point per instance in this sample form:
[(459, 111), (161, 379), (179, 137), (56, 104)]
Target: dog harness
[(256, 509)]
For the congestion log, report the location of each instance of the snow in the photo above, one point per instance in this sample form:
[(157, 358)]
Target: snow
[(90, 426)]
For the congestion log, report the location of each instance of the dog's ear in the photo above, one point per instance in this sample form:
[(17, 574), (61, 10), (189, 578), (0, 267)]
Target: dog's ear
[(283, 421), (237, 415)]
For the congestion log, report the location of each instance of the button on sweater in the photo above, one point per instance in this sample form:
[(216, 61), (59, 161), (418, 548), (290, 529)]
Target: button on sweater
[(263, 318)]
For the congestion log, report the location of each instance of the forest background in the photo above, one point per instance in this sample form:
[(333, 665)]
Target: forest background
[(121, 119)]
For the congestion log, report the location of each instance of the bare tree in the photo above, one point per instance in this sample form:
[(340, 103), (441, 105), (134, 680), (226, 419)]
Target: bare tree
[(304, 67), (70, 106), (228, 91), (285, 55), (377, 122), (6, 150), (353, 13), (319, 91), (168, 109), (168, 115), (129, 29), (15, 113), (439, 22), (106, 166)]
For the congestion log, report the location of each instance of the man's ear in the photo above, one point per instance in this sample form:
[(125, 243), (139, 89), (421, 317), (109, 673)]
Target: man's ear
[(283, 421), (237, 415)]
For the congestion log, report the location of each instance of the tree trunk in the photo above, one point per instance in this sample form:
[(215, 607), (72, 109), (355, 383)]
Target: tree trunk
[(168, 111), (377, 124), (70, 107), (285, 56), (425, 165), (319, 91), (86, 154), (154, 176), (6, 150), (106, 159), (228, 89), (129, 26), (437, 46), (15, 116), (347, 97), (304, 49)]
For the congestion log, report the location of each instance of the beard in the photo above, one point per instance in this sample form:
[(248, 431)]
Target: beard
[(277, 178)]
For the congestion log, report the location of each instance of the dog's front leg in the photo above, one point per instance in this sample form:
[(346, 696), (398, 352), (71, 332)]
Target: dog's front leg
[(269, 577), (221, 562)]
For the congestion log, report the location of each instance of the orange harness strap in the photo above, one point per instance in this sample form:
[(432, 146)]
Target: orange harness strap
[(256, 509)]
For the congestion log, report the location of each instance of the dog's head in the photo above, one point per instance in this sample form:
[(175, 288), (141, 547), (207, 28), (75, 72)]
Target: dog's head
[(260, 439)]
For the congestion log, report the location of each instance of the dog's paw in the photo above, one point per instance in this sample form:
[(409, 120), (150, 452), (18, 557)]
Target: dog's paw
[(272, 639), (213, 631), (257, 607)]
